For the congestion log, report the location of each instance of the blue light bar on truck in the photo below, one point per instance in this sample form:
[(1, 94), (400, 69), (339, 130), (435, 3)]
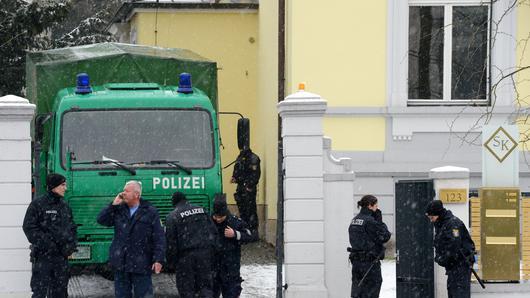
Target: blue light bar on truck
[(83, 84), (185, 83)]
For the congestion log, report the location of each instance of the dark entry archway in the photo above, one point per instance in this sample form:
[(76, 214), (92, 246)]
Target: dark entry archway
[(414, 239)]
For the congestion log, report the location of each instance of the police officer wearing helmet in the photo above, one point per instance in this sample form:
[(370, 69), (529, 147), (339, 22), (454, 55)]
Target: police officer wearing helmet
[(246, 174), (191, 237), (367, 234), (231, 233), (50, 229), (454, 249)]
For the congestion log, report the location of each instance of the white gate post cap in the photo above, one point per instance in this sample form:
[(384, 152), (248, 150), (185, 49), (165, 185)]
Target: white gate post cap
[(303, 95), (13, 99), (303, 102), (449, 172), (16, 108)]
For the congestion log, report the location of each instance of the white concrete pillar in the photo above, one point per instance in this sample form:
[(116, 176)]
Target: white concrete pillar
[(338, 212), (15, 189), (302, 134), (450, 179)]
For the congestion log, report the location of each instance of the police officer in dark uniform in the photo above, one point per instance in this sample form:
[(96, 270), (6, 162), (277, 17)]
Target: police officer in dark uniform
[(50, 228), (231, 233), (246, 174), (368, 233), (453, 247), (191, 237)]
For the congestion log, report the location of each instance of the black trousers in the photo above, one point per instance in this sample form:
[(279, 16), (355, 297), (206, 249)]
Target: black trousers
[(194, 273), (371, 285), (458, 279), (49, 277), (228, 286), (227, 279), (246, 204)]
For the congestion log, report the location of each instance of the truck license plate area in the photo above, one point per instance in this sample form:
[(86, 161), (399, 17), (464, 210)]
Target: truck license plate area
[(82, 253)]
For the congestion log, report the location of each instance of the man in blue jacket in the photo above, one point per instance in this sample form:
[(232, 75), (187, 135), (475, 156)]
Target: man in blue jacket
[(138, 247)]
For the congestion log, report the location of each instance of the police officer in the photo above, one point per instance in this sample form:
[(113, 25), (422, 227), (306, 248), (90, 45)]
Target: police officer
[(231, 233), (367, 235), (191, 237), (453, 247), (50, 229), (246, 174)]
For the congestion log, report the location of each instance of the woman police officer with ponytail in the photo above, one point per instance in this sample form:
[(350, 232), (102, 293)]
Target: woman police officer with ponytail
[(367, 234)]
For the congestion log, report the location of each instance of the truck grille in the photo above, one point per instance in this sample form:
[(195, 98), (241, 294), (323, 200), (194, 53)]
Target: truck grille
[(85, 211)]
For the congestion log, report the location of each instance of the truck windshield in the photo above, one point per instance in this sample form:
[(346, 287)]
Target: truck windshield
[(134, 136)]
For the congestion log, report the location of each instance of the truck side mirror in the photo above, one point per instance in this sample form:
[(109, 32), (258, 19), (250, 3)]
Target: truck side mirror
[(40, 120), (243, 133)]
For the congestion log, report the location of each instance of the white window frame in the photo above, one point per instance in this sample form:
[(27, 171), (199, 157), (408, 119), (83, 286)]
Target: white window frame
[(446, 116), (448, 54), (502, 56)]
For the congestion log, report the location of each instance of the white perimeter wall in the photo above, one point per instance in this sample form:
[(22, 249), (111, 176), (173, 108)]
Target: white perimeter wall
[(15, 195)]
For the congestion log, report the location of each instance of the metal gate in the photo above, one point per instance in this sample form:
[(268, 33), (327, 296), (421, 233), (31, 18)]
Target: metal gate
[(414, 239)]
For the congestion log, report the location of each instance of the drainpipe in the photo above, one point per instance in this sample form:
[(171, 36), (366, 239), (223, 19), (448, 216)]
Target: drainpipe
[(281, 96), (490, 49)]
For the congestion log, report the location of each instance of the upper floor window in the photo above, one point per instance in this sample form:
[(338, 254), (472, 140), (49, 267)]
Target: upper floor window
[(448, 44)]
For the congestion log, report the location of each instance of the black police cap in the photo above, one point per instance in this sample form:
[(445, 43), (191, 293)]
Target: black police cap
[(177, 197), (53, 180), (219, 205), (435, 208)]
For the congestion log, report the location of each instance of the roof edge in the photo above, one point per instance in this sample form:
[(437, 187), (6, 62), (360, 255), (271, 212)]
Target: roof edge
[(127, 7)]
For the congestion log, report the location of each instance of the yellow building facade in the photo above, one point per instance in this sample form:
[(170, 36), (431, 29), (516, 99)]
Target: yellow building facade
[(357, 56), (224, 33)]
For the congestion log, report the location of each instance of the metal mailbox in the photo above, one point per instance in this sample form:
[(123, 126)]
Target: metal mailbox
[(500, 234)]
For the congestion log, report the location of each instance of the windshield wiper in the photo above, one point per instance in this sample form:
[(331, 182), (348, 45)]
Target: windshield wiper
[(172, 163), (106, 160)]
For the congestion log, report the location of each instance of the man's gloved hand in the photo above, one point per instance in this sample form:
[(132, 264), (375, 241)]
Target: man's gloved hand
[(68, 249), (440, 260), (378, 216), (473, 258)]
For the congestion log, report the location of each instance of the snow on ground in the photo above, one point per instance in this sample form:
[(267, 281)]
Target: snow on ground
[(500, 295), (388, 270), (260, 281)]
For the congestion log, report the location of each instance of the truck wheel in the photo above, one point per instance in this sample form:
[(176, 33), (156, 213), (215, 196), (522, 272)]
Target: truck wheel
[(76, 270), (105, 271)]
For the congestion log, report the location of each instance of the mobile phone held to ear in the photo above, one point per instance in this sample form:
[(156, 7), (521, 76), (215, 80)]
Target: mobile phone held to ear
[(118, 199), (122, 197)]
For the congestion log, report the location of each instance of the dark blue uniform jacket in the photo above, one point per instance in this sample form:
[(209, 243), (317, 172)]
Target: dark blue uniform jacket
[(452, 241), (50, 228), (138, 240), (188, 227), (247, 171), (367, 236), (229, 249)]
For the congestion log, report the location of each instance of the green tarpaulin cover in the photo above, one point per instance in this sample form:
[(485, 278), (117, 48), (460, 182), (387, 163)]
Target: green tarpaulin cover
[(49, 71)]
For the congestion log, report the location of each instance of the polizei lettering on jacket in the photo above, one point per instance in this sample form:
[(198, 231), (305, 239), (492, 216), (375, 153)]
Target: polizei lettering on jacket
[(194, 182), (357, 222), (191, 212)]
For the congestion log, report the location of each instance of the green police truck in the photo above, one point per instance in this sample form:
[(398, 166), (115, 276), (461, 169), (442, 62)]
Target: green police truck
[(109, 113)]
